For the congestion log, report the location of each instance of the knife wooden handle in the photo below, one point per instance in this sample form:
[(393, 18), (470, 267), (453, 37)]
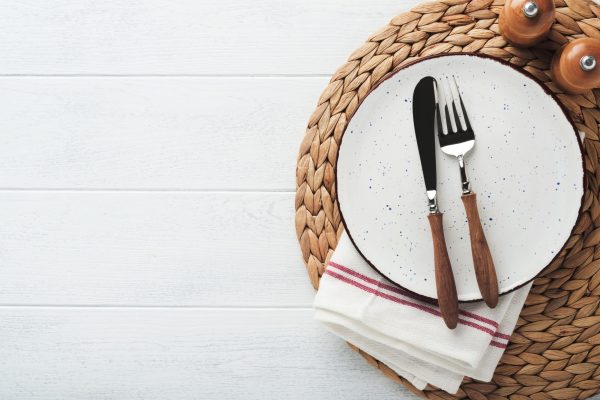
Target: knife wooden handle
[(482, 258), (444, 278)]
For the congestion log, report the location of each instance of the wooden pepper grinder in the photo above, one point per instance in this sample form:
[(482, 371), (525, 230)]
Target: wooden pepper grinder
[(574, 66), (526, 22)]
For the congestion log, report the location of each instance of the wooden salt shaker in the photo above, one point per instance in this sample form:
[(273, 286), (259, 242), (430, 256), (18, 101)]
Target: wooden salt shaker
[(526, 22), (574, 67)]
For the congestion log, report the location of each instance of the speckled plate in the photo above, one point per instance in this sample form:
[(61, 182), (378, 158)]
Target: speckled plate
[(526, 169)]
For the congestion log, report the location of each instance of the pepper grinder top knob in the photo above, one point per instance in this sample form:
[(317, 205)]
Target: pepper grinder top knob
[(530, 9), (587, 63)]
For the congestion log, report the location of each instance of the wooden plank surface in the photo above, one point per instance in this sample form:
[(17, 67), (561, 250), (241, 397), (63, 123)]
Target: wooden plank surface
[(226, 37), (146, 196), (153, 133), (150, 249), (138, 353)]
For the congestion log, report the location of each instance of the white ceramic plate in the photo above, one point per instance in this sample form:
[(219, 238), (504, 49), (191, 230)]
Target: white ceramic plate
[(526, 169)]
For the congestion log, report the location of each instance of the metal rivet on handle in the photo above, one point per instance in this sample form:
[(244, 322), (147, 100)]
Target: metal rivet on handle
[(587, 63), (530, 9)]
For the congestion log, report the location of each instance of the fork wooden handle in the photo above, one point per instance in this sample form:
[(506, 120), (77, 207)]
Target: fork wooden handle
[(444, 278), (482, 258)]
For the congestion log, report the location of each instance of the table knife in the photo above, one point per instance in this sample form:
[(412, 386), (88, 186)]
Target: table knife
[(424, 109)]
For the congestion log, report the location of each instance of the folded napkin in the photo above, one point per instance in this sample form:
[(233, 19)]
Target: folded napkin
[(406, 331)]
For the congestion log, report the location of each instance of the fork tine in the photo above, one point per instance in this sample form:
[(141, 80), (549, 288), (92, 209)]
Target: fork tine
[(446, 111), (462, 105), (438, 110), (457, 122), (440, 101)]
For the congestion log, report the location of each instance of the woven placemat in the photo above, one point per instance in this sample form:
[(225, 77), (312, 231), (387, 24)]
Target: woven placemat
[(555, 351)]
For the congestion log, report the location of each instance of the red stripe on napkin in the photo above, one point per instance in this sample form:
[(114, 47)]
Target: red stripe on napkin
[(413, 296), (381, 294), (408, 303), (502, 335)]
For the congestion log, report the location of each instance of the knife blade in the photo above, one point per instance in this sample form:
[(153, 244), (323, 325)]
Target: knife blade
[(424, 113), (424, 108)]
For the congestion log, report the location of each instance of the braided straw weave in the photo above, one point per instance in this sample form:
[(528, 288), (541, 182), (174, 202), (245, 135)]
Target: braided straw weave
[(555, 351)]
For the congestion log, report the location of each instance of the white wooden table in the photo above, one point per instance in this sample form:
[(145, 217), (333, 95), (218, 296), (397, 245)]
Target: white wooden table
[(147, 156)]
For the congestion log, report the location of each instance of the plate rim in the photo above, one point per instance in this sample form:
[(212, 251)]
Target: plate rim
[(527, 74)]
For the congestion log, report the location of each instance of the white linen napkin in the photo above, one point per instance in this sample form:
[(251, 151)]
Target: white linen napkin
[(405, 331)]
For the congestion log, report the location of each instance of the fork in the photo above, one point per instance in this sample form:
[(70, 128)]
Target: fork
[(458, 142)]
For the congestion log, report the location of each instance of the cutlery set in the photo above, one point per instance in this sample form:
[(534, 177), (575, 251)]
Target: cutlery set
[(435, 111)]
